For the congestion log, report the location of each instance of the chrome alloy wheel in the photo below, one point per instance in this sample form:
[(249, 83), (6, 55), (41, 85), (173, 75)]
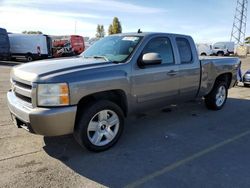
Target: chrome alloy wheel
[(103, 127), (221, 96)]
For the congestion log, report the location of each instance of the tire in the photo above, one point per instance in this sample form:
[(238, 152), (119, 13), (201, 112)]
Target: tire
[(246, 85), (93, 126), (203, 54), (29, 58), (220, 54), (13, 59), (217, 98)]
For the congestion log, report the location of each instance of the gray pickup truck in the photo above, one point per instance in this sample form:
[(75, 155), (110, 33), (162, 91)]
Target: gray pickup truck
[(89, 95)]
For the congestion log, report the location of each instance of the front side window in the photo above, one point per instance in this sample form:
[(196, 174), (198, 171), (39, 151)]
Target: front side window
[(113, 48), (163, 47), (184, 49)]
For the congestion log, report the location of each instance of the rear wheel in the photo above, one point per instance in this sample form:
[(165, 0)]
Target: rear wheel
[(220, 54), (99, 126), (217, 97), (29, 58)]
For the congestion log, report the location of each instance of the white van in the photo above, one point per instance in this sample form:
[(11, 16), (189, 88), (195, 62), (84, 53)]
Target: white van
[(204, 49), (223, 48), (30, 46)]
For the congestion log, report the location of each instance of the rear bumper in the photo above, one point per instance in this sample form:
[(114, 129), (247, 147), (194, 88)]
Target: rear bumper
[(43, 121)]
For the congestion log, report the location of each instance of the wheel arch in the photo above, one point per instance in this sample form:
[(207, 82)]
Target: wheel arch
[(226, 77), (29, 54), (220, 52), (117, 96)]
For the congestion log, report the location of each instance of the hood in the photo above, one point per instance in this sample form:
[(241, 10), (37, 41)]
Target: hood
[(31, 71)]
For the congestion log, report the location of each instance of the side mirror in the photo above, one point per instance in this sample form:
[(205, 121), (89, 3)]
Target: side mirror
[(151, 59)]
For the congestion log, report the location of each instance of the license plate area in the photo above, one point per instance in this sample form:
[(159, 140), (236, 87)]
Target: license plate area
[(14, 120), (20, 124)]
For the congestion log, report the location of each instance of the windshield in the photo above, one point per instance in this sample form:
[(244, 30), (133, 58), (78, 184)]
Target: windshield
[(113, 48)]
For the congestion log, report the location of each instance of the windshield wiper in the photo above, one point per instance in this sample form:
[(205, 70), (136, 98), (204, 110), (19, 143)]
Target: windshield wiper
[(97, 57)]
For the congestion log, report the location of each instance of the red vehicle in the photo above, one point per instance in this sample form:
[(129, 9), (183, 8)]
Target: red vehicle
[(67, 45)]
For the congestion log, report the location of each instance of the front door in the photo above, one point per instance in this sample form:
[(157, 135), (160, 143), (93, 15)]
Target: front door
[(155, 85)]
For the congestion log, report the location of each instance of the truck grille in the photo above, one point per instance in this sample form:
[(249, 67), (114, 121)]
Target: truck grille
[(22, 91), (26, 86)]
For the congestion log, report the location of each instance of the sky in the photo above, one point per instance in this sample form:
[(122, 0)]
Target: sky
[(206, 20)]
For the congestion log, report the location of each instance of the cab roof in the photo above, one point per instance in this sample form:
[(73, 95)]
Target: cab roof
[(143, 34)]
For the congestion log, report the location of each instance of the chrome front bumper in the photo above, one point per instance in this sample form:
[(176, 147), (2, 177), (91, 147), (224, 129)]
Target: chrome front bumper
[(43, 121)]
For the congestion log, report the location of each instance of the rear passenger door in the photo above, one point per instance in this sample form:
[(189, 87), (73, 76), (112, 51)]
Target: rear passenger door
[(189, 68)]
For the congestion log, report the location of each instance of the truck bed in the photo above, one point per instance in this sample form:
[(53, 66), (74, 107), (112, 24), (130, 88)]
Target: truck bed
[(213, 66)]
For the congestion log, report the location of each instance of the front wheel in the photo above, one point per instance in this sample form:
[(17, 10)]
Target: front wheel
[(217, 98), (100, 126)]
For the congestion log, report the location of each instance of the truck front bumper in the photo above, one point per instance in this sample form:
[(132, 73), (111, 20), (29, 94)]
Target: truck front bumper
[(43, 121)]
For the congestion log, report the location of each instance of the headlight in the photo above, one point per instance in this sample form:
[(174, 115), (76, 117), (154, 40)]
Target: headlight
[(53, 94)]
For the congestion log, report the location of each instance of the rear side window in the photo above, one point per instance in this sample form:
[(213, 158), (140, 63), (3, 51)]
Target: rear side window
[(184, 50)]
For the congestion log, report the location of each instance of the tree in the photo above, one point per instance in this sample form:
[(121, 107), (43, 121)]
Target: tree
[(110, 31), (247, 40), (32, 32), (115, 27), (100, 32)]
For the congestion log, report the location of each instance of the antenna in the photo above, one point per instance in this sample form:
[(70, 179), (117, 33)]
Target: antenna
[(240, 21)]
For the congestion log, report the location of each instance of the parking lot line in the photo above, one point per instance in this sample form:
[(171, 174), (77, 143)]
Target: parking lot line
[(33, 152), (179, 163)]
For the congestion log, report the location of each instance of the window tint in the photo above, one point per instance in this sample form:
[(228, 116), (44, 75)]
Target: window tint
[(162, 46), (184, 50)]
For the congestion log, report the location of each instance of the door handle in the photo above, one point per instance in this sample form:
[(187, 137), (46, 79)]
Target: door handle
[(172, 73)]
